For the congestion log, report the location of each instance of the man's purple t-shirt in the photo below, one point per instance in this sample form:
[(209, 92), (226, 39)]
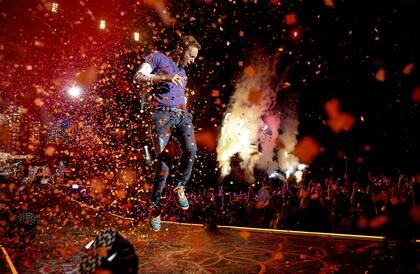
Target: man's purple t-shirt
[(166, 94)]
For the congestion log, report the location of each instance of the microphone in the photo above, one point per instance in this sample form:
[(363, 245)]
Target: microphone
[(147, 157), (143, 102)]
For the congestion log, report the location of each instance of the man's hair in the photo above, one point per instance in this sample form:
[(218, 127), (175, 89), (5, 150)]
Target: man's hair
[(188, 41)]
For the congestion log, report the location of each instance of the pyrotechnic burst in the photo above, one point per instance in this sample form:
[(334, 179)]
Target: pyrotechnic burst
[(253, 98), (288, 162), (251, 125)]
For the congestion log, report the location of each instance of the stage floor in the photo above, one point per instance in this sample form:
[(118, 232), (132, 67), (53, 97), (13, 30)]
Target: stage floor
[(184, 248), (190, 249), (66, 227)]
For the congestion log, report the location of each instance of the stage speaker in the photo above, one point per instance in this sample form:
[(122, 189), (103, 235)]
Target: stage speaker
[(109, 252)]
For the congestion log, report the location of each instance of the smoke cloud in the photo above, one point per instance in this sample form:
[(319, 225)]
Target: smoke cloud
[(252, 98), (289, 163), (250, 128)]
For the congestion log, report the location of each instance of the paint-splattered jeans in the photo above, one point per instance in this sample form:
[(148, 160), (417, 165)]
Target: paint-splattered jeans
[(177, 123)]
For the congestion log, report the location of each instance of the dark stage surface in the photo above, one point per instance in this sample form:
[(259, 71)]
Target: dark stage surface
[(184, 248), (66, 226), (190, 249)]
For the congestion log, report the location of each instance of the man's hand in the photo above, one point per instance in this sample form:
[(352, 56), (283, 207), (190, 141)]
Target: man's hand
[(177, 80)]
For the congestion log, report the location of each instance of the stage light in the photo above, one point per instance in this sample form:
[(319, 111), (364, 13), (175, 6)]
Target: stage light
[(295, 34), (102, 24), (273, 174), (74, 91), (89, 244), (54, 7), (136, 36), (301, 166), (298, 175), (288, 171), (110, 252)]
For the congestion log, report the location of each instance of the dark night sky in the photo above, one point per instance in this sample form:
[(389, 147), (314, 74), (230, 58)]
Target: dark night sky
[(337, 53)]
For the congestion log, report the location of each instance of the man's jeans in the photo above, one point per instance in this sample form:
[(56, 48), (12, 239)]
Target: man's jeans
[(179, 124)]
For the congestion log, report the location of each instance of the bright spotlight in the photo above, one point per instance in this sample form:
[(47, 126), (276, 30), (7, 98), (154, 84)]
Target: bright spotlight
[(54, 7), (136, 36), (74, 91), (289, 171), (273, 174), (301, 166), (102, 24)]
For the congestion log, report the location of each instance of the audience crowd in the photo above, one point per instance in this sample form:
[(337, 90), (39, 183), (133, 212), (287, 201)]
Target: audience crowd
[(379, 206)]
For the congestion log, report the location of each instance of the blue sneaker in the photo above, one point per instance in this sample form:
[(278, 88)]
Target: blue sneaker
[(180, 198), (155, 223)]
